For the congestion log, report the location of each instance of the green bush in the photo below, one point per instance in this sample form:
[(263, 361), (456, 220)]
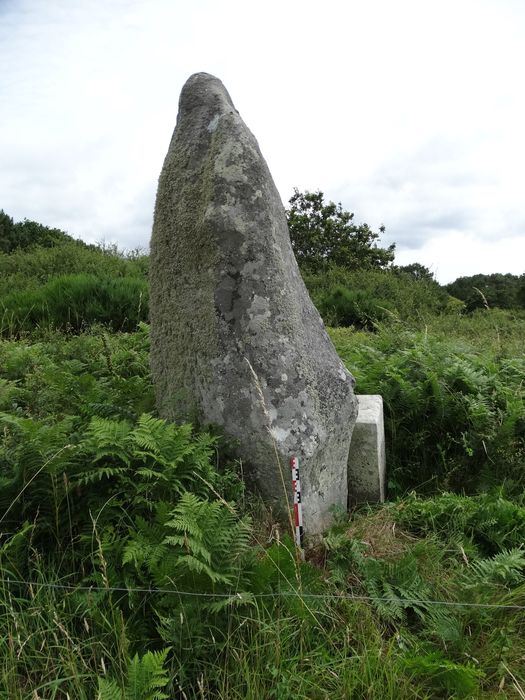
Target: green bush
[(23, 270), (489, 291), (73, 302), (454, 417), (354, 307), (363, 298), (27, 234)]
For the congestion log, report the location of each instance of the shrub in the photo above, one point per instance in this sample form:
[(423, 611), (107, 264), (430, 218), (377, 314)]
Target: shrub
[(28, 269), (72, 302), (363, 298), (453, 417)]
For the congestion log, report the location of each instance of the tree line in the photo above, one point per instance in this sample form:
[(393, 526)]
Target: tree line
[(325, 238)]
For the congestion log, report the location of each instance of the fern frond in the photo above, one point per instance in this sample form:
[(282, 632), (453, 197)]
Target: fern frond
[(237, 600), (108, 689), (147, 676), (504, 568), (108, 438), (102, 472)]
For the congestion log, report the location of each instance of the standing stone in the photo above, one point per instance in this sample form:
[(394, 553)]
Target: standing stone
[(235, 339)]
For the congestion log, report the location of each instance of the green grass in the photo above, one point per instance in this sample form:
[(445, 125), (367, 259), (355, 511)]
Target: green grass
[(70, 286), (107, 512), (97, 492), (24, 270), (75, 302)]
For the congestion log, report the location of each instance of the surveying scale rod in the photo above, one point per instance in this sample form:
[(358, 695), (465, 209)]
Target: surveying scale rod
[(297, 502)]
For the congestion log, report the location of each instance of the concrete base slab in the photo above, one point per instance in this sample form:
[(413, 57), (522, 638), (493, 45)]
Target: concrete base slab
[(367, 460)]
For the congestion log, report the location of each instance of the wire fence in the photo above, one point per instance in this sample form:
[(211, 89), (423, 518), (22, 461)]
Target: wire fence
[(249, 596)]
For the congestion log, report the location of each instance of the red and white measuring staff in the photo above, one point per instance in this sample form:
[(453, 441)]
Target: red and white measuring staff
[(297, 502)]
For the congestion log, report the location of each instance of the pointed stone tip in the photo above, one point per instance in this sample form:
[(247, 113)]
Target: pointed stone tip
[(203, 89), (201, 76)]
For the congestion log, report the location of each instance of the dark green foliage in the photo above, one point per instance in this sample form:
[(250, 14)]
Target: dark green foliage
[(50, 280), (108, 500), (416, 271), (200, 547), (351, 306), (6, 232), (93, 374), (488, 291), (520, 294), (28, 234), (400, 582), (414, 585), (112, 460), (489, 522), (99, 491), (146, 676), (454, 418), (363, 298), (324, 234), (74, 302), (444, 678)]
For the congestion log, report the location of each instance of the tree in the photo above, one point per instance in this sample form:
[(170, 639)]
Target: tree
[(325, 235), (479, 291), (416, 271), (7, 232), (27, 234), (521, 291)]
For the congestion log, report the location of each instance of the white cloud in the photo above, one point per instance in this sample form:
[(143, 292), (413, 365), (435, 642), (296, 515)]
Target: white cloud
[(410, 113), (458, 254)]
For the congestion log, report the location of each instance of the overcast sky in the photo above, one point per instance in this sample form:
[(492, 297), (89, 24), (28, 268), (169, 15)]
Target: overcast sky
[(409, 112)]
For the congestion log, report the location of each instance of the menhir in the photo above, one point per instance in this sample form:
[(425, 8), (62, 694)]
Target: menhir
[(235, 339)]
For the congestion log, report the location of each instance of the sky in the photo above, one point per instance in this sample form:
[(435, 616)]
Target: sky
[(411, 113)]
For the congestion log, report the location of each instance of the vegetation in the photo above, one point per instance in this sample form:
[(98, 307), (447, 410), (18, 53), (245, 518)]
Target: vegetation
[(324, 235), (133, 565), (99, 494), (57, 282), (454, 411), (73, 302), (353, 281), (29, 234), (489, 291), (364, 298)]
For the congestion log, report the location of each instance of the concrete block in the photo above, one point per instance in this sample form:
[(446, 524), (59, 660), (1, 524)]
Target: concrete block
[(367, 460)]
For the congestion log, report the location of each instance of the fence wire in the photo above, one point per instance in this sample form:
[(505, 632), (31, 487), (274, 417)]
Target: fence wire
[(249, 596)]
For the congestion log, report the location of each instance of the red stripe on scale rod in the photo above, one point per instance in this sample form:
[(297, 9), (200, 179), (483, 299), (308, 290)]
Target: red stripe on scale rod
[(297, 502)]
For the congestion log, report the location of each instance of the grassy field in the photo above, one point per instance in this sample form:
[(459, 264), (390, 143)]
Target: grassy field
[(134, 565), (108, 513)]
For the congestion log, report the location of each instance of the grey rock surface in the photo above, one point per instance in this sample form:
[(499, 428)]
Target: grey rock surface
[(367, 456), (235, 339)]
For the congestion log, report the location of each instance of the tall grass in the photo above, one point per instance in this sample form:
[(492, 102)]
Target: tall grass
[(28, 269), (98, 494), (74, 302)]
